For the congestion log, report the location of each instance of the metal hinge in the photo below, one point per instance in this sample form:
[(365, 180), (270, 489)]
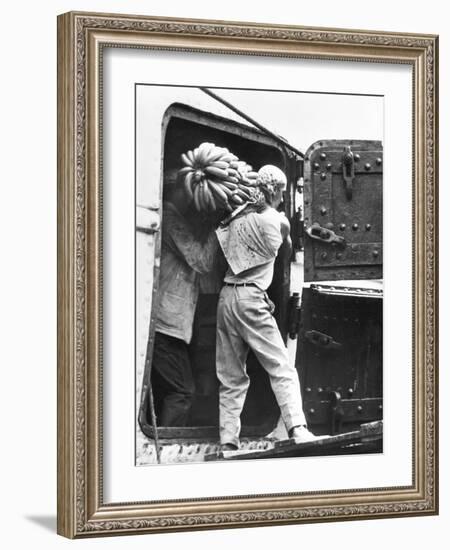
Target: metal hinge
[(348, 171)]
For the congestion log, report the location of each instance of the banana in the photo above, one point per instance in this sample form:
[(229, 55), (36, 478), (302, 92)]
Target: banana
[(211, 198), (232, 172), (186, 160), (242, 194), (208, 197), (220, 192), (185, 170), (219, 164), (229, 157), (201, 153), (188, 185), (203, 198), (196, 199), (248, 183), (237, 199), (252, 175), (218, 172), (226, 189), (232, 179), (190, 156), (200, 197), (215, 154), (195, 154), (228, 185), (234, 164), (244, 188), (204, 150)]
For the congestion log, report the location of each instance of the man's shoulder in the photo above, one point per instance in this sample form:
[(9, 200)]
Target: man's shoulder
[(271, 218)]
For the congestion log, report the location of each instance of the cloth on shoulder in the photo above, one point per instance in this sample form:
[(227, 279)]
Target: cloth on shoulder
[(251, 240)]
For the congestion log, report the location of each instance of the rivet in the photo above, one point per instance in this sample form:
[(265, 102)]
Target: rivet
[(316, 165), (375, 253), (324, 255), (367, 166), (355, 227), (356, 157), (350, 391), (329, 166), (319, 390), (359, 408), (312, 411), (323, 156), (342, 226), (323, 176), (378, 161), (308, 390), (323, 211), (368, 227), (380, 407)]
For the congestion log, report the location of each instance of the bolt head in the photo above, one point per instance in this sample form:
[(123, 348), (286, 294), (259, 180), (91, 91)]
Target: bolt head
[(375, 253), (368, 227), (342, 226), (316, 165), (323, 156), (329, 166), (323, 211), (359, 408), (356, 157), (378, 161), (323, 176), (367, 166), (355, 227)]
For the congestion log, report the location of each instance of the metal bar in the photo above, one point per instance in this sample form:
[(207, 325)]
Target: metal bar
[(252, 121), (155, 427)]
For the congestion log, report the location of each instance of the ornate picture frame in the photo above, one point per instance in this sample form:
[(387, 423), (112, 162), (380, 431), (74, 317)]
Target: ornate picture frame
[(82, 38)]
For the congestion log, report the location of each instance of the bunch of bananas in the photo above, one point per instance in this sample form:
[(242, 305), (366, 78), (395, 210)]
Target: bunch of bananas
[(215, 179)]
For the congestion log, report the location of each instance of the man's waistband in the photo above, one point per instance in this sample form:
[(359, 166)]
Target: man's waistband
[(241, 284)]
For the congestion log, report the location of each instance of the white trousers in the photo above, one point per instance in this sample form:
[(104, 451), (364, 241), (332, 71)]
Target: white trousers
[(245, 321)]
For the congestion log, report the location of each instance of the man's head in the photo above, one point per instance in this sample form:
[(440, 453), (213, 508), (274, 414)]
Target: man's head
[(272, 182), (174, 191)]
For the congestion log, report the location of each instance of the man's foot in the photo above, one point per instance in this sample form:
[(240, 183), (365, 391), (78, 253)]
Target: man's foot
[(301, 434), (229, 447)]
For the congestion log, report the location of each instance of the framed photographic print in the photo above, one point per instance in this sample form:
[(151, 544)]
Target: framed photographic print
[(247, 289)]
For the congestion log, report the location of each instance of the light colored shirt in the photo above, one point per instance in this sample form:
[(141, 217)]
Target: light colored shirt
[(183, 259), (250, 245)]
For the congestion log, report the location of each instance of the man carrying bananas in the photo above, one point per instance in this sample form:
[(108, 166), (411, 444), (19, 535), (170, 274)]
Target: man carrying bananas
[(184, 256), (250, 242)]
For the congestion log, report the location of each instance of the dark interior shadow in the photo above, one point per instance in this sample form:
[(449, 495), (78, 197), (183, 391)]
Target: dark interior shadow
[(47, 522)]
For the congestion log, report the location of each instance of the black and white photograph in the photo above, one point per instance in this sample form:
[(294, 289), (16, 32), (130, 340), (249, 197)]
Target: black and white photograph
[(259, 274)]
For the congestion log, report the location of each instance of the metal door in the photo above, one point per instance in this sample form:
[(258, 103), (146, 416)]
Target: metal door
[(343, 210)]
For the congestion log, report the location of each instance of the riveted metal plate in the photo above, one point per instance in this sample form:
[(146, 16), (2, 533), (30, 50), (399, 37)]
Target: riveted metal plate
[(355, 216)]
